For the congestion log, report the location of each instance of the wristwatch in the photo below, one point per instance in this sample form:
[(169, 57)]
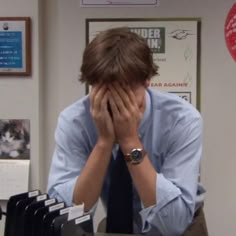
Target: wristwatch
[(135, 156)]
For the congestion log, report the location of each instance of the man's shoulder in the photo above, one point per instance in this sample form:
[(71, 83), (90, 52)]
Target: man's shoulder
[(77, 110), (172, 105), (76, 121)]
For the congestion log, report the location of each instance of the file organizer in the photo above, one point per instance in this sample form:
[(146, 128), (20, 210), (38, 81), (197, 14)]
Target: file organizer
[(35, 214)]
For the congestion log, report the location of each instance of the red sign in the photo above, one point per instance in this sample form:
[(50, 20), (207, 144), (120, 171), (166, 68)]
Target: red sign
[(230, 31)]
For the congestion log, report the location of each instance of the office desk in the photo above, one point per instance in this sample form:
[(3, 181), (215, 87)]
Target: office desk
[(105, 234)]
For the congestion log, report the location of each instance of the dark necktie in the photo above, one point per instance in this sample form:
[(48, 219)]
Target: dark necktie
[(120, 204)]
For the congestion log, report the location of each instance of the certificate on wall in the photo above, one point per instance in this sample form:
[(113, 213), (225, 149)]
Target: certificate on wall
[(15, 46), (175, 47)]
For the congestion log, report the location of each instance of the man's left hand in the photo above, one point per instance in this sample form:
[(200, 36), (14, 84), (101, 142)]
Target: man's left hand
[(127, 114)]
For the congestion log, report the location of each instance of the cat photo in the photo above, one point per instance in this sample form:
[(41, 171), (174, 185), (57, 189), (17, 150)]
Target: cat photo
[(15, 139)]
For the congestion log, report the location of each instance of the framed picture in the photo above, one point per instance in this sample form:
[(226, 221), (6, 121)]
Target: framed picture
[(14, 156), (15, 139), (175, 46), (119, 3), (15, 46)]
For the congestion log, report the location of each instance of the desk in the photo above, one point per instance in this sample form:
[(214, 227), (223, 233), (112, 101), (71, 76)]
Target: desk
[(105, 234)]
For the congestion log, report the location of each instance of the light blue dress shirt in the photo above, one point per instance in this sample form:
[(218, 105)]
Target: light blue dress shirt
[(171, 133)]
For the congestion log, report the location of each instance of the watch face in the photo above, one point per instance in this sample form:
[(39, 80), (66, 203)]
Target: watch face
[(136, 155)]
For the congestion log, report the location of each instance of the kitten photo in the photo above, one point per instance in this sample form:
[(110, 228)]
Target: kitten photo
[(14, 139)]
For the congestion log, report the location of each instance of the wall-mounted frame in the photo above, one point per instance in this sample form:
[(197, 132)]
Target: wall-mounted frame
[(15, 46), (119, 3), (175, 44)]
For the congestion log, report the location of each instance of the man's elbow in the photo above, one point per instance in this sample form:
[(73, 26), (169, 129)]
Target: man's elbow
[(178, 225), (172, 222)]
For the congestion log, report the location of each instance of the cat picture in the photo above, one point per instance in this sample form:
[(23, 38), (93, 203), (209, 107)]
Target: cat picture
[(14, 139)]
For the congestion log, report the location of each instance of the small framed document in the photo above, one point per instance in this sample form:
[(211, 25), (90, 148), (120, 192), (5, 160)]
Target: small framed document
[(15, 46)]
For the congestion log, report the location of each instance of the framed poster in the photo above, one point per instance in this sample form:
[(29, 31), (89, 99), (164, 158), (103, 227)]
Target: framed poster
[(175, 45), (15, 46)]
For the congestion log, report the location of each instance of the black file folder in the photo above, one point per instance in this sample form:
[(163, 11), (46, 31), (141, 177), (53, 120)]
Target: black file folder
[(82, 226), (57, 223), (19, 222), (39, 221), (54, 228), (11, 210), (35, 214), (54, 211), (29, 215)]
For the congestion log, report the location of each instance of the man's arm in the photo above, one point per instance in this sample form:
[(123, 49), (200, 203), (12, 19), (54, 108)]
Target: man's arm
[(127, 114), (89, 184), (75, 176), (168, 197), (177, 182)]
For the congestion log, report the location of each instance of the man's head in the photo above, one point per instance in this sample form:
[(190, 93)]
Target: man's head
[(117, 55)]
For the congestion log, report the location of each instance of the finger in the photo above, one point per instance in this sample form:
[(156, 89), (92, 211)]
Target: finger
[(116, 98), (127, 96), (104, 102), (93, 93), (131, 99), (114, 107), (97, 99)]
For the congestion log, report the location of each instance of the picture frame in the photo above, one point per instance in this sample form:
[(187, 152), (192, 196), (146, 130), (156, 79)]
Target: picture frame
[(15, 155), (15, 146), (175, 46), (119, 3), (15, 46)]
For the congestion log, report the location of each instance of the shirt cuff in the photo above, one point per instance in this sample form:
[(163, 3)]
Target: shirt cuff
[(65, 191), (166, 191)]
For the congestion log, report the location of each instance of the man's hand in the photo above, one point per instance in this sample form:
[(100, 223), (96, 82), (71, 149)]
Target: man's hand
[(99, 111), (127, 114)]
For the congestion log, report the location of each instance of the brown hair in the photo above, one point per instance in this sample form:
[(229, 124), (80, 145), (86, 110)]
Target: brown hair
[(117, 55)]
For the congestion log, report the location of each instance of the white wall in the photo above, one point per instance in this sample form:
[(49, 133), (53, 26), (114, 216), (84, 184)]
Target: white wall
[(55, 86), (20, 96)]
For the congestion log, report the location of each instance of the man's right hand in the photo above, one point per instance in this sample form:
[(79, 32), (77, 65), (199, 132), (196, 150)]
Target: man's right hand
[(89, 184), (101, 116)]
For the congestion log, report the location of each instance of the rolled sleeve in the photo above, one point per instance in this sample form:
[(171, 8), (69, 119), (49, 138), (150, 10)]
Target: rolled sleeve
[(68, 160), (65, 191), (166, 192), (177, 183)]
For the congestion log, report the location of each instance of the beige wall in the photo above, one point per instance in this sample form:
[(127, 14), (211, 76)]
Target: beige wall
[(54, 85), (21, 98)]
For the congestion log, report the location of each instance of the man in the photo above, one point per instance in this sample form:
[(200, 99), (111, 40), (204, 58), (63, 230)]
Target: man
[(159, 134)]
